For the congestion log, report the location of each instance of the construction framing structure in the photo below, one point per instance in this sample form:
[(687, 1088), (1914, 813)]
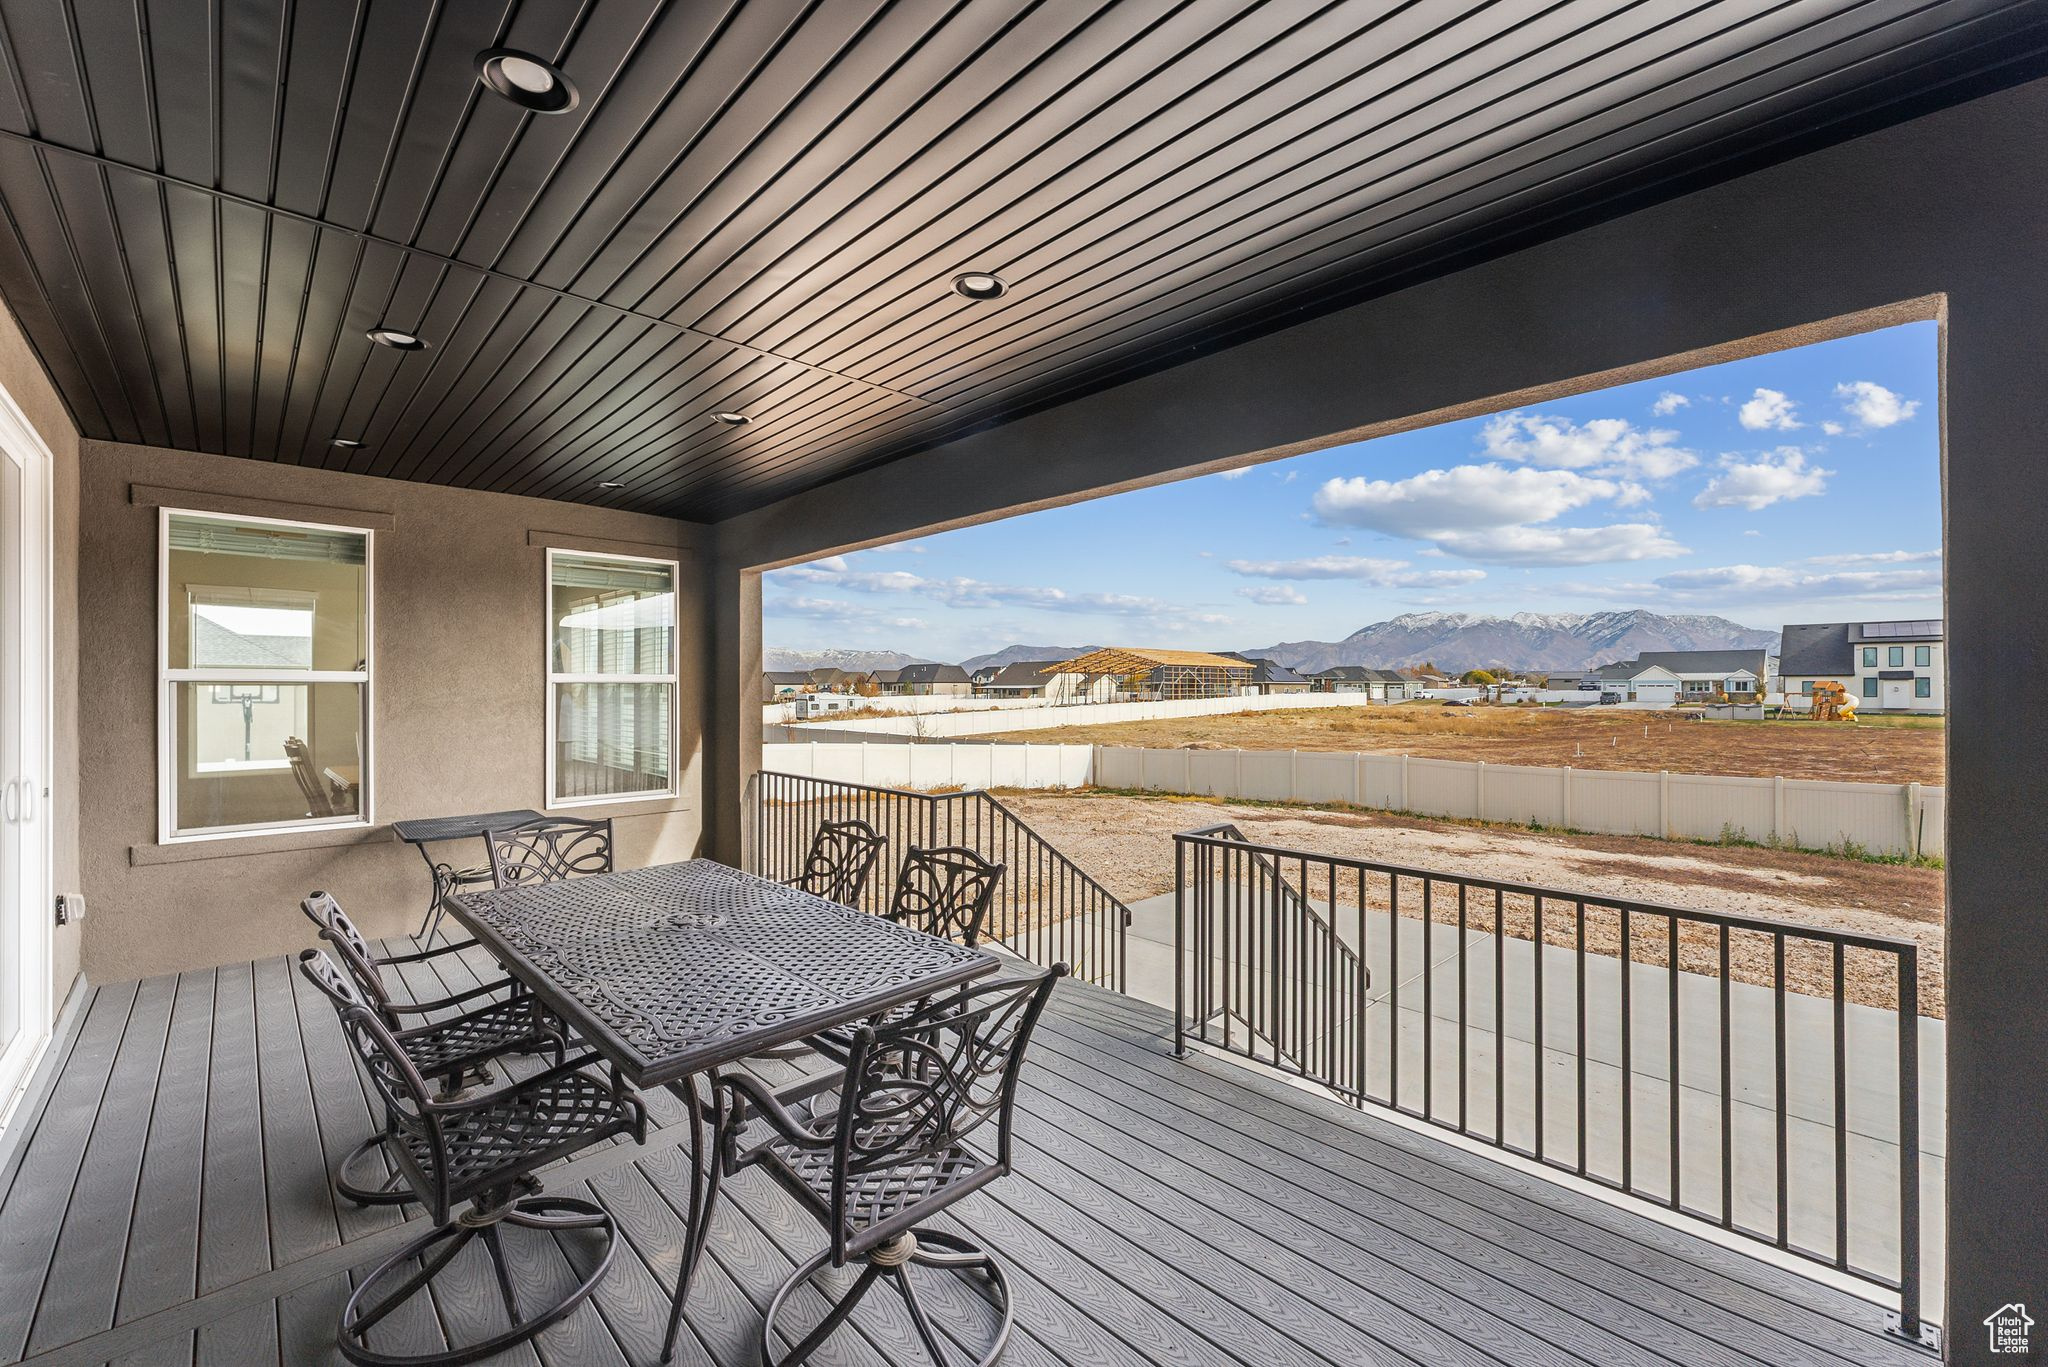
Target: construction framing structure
[(1162, 675)]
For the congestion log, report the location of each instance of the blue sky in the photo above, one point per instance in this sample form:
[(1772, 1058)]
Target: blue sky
[(1799, 486)]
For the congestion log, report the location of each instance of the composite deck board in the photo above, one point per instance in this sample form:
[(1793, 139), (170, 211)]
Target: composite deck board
[(170, 1209), (33, 1214), (163, 1239), (94, 1238)]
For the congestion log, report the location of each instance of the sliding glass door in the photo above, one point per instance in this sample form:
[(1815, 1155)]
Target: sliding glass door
[(25, 897)]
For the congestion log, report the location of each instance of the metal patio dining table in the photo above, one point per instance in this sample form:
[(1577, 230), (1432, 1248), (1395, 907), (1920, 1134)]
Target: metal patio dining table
[(675, 971)]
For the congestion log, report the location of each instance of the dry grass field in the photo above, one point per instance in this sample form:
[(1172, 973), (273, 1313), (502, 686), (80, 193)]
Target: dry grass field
[(1875, 750)]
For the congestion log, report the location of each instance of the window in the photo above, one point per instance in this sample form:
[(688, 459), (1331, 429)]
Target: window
[(1923, 688), (1870, 687), (1870, 657), (611, 678), (1895, 656), (1806, 687), (264, 675), (1923, 656)]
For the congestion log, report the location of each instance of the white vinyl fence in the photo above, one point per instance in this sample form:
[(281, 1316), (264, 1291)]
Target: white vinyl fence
[(903, 765), (1883, 818), (1041, 717)]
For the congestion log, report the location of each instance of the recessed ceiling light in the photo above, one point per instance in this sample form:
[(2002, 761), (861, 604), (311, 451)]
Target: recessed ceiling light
[(611, 484), (347, 443), (528, 81), (979, 285), (731, 419), (396, 340)]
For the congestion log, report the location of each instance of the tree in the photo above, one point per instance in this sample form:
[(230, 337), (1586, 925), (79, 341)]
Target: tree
[(1480, 677)]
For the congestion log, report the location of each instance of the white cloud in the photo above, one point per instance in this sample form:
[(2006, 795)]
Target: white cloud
[(844, 614), (1832, 428), (1485, 512), (1872, 405), (1769, 410), (831, 562), (1362, 568), (962, 592), (1563, 545), (1462, 497), (1239, 473), (900, 548), (1773, 477), (1877, 558), (1604, 446), (1752, 532), (1669, 402), (1273, 595), (1759, 583)]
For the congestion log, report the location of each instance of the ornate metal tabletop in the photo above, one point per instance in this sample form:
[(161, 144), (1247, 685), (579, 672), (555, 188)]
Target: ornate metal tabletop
[(428, 830), (671, 970)]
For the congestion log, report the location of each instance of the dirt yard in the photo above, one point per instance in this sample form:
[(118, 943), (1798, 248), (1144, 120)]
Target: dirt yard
[(1876, 750), (1127, 844)]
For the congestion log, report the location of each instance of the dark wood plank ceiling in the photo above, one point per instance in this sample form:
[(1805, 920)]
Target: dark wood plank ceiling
[(759, 205)]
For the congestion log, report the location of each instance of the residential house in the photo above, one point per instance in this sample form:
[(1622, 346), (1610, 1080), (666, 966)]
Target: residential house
[(1381, 685), (1632, 681), (1704, 674), (828, 680), (783, 683), (1020, 679), (924, 681), (1270, 676), (1886, 666)]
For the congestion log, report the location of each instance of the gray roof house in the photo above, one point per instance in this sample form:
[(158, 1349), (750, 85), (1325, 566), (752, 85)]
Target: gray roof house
[(1703, 672), (1020, 679), (1825, 649), (1270, 676), (925, 679)]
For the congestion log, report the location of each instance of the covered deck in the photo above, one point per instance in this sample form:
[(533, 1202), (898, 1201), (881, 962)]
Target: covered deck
[(170, 1207)]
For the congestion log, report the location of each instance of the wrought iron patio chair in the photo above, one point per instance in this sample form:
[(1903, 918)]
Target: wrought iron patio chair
[(841, 859), (487, 1021), (944, 892), (482, 1150), (549, 850), (877, 1149)]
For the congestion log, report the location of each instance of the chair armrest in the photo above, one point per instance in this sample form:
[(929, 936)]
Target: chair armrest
[(773, 1108), (444, 1003), (421, 956)]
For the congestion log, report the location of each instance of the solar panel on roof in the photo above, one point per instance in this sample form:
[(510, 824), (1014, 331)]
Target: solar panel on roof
[(1878, 631)]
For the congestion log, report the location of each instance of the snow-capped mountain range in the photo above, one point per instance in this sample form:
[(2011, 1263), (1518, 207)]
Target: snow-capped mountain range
[(1527, 640), (1455, 641)]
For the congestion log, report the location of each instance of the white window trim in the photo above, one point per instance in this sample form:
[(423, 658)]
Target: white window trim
[(167, 832), (554, 801)]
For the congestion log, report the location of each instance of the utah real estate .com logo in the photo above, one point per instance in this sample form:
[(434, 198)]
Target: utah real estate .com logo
[(2011, 1328)]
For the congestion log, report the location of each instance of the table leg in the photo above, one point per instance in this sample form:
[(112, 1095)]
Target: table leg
[(432, 921), (707, 1173)]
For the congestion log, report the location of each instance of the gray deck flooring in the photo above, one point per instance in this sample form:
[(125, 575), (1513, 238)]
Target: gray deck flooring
[(170, 1206)]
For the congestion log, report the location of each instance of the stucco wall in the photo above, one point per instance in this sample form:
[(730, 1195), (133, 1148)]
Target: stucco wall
[(459, 690), (1945, 216), (22, 376)]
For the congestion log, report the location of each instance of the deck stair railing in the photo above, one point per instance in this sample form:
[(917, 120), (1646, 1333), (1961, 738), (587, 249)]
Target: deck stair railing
[(1047, 908), (1510, 1014)]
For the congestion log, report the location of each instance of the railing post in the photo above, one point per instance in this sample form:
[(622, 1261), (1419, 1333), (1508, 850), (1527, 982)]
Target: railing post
[(1180, 966), (1909, 1145)]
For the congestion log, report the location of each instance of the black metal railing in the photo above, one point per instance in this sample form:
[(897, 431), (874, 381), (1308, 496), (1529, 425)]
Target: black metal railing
[(1695, 1059), (1047, 909)]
